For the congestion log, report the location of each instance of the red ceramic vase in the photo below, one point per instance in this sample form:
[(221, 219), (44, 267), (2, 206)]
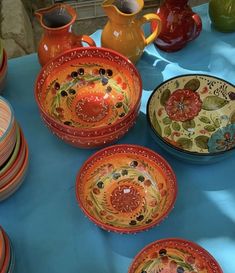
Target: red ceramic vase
[(179, 25)]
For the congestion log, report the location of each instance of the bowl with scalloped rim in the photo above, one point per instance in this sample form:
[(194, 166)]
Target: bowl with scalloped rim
[(88, 92), (193, 117), (174, 255), (126, 188)]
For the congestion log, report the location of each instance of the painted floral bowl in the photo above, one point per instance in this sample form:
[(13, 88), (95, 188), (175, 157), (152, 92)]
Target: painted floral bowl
[(193, 117), (126, 188), (174, 255), (88, 92)]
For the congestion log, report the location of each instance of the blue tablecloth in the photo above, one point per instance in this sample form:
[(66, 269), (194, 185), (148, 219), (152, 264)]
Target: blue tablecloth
[(49, 231)]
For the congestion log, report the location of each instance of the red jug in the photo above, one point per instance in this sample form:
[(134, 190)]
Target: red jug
[(179, 25)]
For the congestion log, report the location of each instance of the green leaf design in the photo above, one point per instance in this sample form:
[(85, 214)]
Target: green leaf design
[(188, 124), (232, 117), (201, 142), (166, 121), (165, 96), (217, 123), (212, 103), (192, 84), (167, 130), (176, 126), (205, 119), (185, 143), (156, 124), (210, 128)]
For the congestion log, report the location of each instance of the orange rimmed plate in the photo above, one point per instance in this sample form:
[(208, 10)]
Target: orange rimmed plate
[(174, 255), (126, 188)]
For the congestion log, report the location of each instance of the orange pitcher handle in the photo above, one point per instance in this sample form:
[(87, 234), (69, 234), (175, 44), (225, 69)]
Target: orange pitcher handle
[(78, 39), (151, 17)]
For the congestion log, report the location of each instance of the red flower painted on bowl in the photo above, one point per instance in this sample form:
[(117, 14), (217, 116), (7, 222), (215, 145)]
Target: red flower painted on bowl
[(183, 105)]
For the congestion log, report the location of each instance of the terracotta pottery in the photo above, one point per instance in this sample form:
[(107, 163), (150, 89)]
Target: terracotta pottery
[(123, 32), (57, 21), (2, 248), (89, 93), (222, 14), (174, 255), (193, 117), (179, 25), (126, 188), (12, 261)]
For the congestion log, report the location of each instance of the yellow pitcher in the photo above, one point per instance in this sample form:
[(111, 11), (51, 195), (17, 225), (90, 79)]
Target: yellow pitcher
[(123, 32)]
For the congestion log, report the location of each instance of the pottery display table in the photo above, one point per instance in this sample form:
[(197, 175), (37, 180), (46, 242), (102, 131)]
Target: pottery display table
[(49, 231)]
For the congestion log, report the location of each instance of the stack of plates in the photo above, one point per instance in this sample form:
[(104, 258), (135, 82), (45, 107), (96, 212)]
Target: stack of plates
[(13, 152), (3, 67), (7, 257)]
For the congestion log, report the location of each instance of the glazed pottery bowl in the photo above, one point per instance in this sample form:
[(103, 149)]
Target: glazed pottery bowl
[(88, 92), (126, 188), (7, 257), (11, 172), (15, 182), (95, 141), (10, 161), (7, 130), (3, 71), (174, 255), (193, 117), (2, 248)]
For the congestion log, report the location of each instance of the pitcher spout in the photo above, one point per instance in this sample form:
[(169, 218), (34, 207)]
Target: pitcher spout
[(56, 16), (122, 8)]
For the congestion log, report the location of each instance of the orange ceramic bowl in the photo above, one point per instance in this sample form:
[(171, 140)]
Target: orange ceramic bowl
[(174, 255), (86, 142), (88, 92), (3, 72), (126, 188)]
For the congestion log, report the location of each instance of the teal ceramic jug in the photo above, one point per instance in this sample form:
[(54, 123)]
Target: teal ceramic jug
[(222, 14)]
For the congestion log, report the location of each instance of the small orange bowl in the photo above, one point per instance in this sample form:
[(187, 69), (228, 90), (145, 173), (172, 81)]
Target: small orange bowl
[(126, 188)]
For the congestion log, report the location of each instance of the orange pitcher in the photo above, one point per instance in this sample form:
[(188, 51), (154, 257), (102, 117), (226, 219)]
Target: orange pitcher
[(123, 32), (57, 21)]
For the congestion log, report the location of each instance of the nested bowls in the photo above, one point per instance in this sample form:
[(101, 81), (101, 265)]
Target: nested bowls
[(174, 255), (7, 130), (7, 256), (193, 117), (126, 188), (89, 96)]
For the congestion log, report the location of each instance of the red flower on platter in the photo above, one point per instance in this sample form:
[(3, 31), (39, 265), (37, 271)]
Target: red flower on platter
[(183, 104)]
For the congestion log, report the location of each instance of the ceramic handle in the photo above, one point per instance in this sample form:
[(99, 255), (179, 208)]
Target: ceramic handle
[(198, 23), (84, 38), (151, 17)]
